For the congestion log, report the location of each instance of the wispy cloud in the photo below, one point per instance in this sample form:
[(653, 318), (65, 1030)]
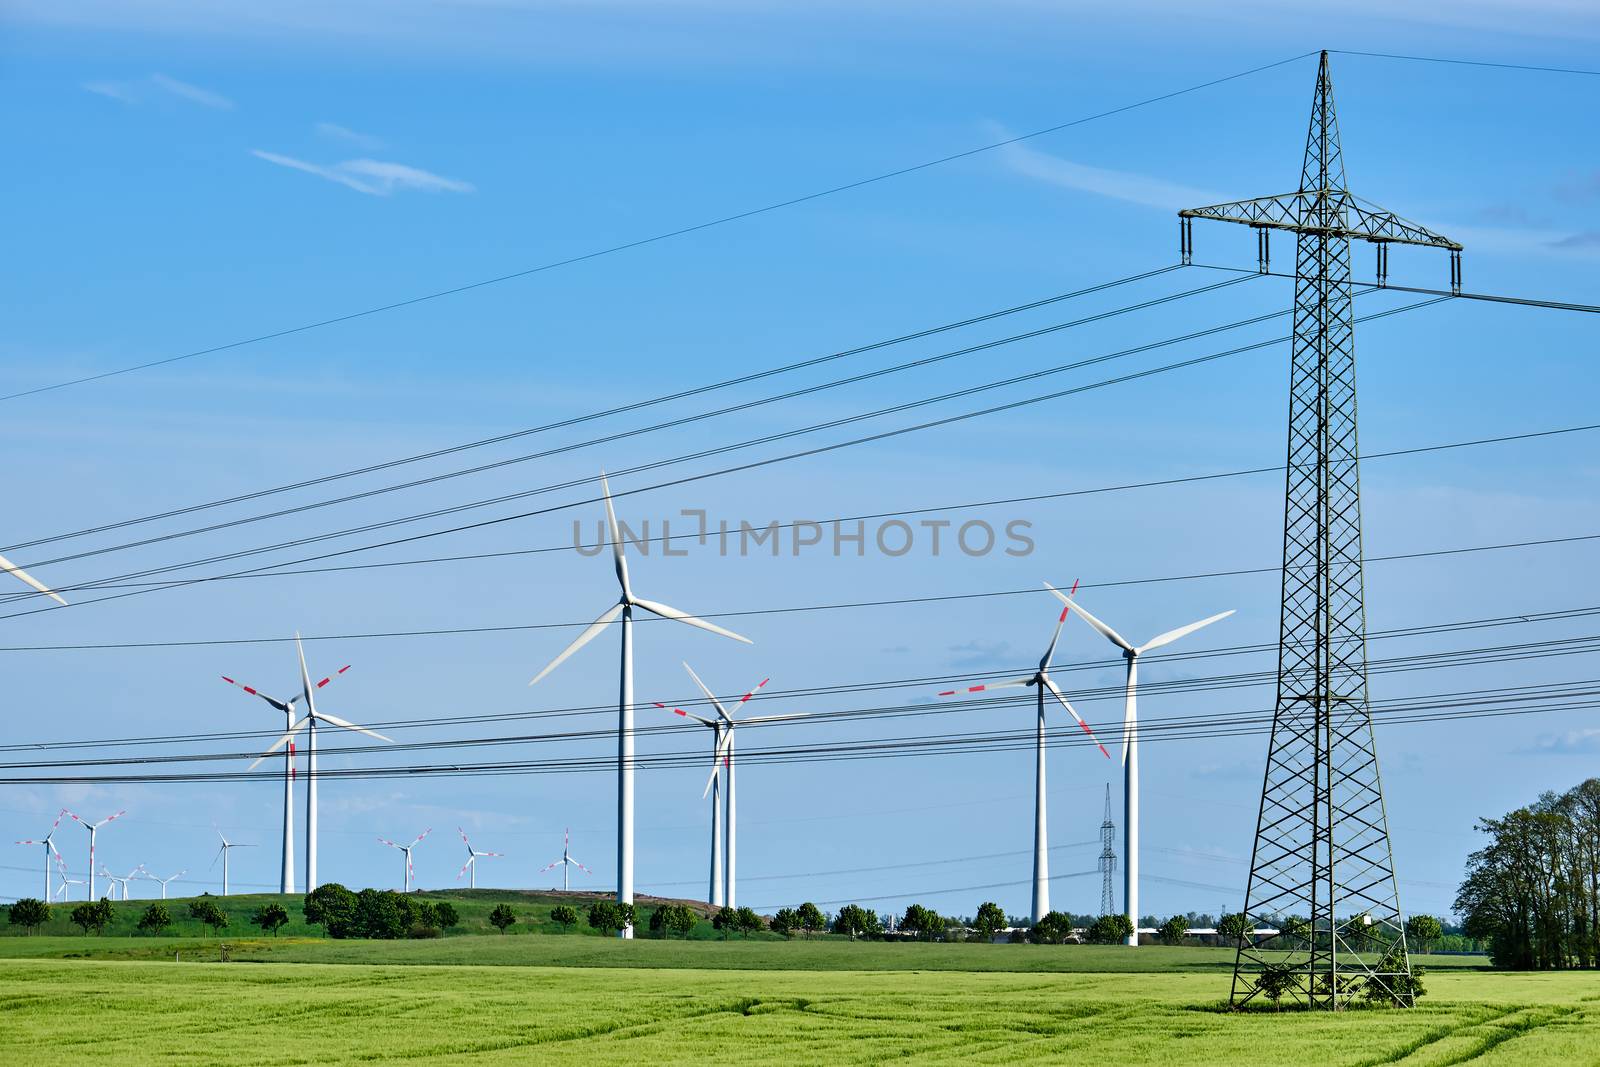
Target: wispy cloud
[(1098, 181), (1571, 743), (1584, 240), (978, 655), (134, 92), (335, 132), (372, 176)]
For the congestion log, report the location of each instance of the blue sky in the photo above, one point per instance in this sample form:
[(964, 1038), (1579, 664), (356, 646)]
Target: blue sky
[(183, 178)]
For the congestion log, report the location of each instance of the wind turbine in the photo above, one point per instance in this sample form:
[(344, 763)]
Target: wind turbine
[(286, 877), (624, 609), (66, 882), (164, 881), (406, 880), (566, 863), (309, 722), (48, 841), (1041, 681), (7, 565), (1130, 744), (222, 852), (124, 880), (92, 827), (473, 855), (714, 789)]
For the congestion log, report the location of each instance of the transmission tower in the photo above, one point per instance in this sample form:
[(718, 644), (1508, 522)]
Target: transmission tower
[(1322, 870), (1108, 860)]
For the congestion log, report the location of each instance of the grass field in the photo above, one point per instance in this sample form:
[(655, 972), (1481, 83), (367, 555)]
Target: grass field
[(57, 1012)]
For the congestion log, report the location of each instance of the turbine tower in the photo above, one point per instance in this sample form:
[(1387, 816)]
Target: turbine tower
[(308, 722), (1108, 859), (566, 863), (48, 841), (714, 790), (473, 856), (286, 875), (1040, 681), (624, 609), (93, 827), (222, 852), (112, 879), (7, 565), (405, 878), (1130, 746), (1322, 836), (66, 883)]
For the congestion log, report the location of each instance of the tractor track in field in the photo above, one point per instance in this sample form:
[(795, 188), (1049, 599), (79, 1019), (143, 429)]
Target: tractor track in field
[(1503, 1025)]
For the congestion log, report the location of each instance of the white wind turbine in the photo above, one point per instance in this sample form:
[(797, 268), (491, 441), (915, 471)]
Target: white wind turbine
[(406, 879), (286, 875), (1041, 681), (123, 881), (164, 881), (1130, 744), (714, 789), (473, 856), (66, 883), (222, 853), (7, 565), (48, 841), (308, 722), (92, 827), (566, 863), (624, 609)]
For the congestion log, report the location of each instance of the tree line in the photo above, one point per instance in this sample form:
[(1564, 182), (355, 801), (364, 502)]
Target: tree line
[(1533, 892)]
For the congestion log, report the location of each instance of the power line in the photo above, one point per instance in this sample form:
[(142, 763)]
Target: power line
[(1465, 62), (1374, 287), (657, 238)]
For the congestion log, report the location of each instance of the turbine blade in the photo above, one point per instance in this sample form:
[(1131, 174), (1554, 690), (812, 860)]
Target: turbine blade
[(1112, 635), (332, 676), (552, 866), (589, 634), (616, 539), (709, 696), (681, 616), (685, 714), (420, 836), (464, 867), (280, 742), (335, 720), (274, 701), (1012, 683), (746, 698), (7, 565), (1050, 653), (1051, 685), (305, 675), (1182, 631)]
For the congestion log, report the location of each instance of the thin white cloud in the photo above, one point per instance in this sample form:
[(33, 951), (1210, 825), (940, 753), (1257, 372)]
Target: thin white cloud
[(335, 132), (1098, 181), (192, 93), (111, 91), (372, 176)]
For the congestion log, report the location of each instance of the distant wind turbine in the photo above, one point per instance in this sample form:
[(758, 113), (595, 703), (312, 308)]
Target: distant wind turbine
[(473, 856), (1041, 681), (1130, 744), (122, 880), (164, 881), (222, 853), (66, 883), (48, 841), (309, 722), (405, 880), (624, 609), (93, 827), (566, 863), (7, 565)]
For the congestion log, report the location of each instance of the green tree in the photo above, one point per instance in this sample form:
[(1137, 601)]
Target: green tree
[(332, 907), (564, 916), (922, 922), (1400, 987), (990, 920), (749, 922), (155, 919), (427, 916), (1275, 980), (671, 919), (810, 918), (609, 916), (382, 914), (209, 914), (1233, 927), (1423, 931), (92, 915), (447, 918), (1295, 929), (1174, 930), (1053, 928), (1110, 930), (30, 913), (270, 917), (785, 922), (854, 920), (725, 922), (502, 917)]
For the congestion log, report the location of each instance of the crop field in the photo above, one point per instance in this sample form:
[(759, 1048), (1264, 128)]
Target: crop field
[(825, 1003)]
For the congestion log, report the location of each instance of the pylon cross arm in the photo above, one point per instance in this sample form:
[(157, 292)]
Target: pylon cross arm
[(1309, 211)]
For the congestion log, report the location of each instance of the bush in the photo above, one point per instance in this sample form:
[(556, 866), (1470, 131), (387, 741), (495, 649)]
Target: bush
[(95, 915), (1053, 928), (271, 917), (856, 921), (1110, 930), (749, 922), (155, 920), (1173, 931), (210, 916), (1233, 928), (786, 922), (671, 919), (502, 917), (420, 932), (564, 915), (922, 922), (725, 921), (30, 913), (332, 907), (609, 916), (382, 914), (1399, 989), (1275, 980)]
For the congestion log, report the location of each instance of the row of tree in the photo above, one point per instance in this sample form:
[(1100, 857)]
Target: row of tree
[(379, 914), (1533, 892)]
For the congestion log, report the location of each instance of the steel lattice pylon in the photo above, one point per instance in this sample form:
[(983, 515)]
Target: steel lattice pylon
[(1108, 860), (1322, 871)]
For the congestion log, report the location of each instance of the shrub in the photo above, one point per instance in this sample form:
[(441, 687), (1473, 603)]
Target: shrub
[(564, 915), (609, 916), (786, 922), (445, 913), (809, 916), (990, 920), (1110, 930), (92, 915), (749, 922), (1233, 928), (1173, 931)]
